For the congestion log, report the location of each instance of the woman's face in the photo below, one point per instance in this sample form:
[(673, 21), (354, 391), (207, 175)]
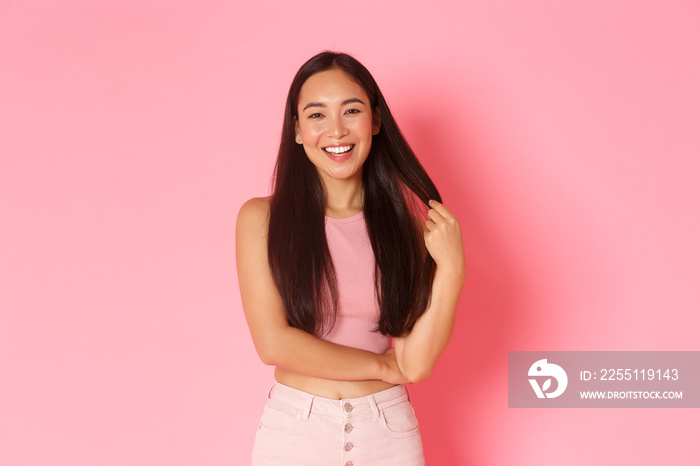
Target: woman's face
[(335, 125)]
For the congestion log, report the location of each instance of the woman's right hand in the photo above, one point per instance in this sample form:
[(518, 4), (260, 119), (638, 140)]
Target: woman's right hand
[(392, 373)]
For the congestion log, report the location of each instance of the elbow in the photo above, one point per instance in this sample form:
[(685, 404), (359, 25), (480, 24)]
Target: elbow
[(267, 357), (415, 369), (268, 350), (418, 374)]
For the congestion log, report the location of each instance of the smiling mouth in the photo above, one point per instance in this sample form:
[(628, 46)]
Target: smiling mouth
[(339, 150)]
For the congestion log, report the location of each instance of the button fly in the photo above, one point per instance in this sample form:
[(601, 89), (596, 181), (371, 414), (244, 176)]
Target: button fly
[(348, 446), (348, 407), (348, 428)]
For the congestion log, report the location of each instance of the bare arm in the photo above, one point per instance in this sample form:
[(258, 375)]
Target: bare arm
[(418, 352), (276, 342)]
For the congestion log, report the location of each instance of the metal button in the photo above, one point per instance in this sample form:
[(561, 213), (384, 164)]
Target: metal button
[(349, 463), (348, 446), (348, 428), (348, 407)]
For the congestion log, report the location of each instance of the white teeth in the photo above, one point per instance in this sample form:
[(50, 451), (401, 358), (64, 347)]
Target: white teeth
[(338, 150)]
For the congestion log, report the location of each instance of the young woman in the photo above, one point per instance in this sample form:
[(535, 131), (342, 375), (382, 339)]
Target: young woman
[(353, 249)]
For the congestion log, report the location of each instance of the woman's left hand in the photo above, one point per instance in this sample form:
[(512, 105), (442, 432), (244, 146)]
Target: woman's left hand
[(443, 238)]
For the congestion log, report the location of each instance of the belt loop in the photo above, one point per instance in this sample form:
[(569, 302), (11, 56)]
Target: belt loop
[(408, 393), (307, 409), (375, 408)]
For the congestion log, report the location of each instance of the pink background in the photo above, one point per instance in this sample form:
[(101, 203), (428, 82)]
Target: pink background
[(563, 134)]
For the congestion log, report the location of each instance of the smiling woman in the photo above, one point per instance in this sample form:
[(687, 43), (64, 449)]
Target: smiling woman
[(341, 258)]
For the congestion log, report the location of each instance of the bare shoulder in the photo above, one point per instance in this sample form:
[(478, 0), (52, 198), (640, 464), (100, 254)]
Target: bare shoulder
[(254, 215)]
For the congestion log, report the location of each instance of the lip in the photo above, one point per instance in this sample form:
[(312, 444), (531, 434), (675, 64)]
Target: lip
[(343, 157)]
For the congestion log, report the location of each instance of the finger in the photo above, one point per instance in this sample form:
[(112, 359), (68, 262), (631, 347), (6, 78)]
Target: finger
[(441, 209), (429, 226), (435, 216)]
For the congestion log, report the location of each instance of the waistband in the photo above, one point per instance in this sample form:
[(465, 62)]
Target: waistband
[(308, 403)]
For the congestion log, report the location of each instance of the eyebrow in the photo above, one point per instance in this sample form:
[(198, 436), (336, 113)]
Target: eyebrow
[(345, 102)]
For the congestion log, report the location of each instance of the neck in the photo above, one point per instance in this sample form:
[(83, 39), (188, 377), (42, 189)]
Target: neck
[(344, 198)]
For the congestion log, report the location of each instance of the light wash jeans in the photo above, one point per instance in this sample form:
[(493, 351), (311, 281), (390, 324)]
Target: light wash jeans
[(298, 428)]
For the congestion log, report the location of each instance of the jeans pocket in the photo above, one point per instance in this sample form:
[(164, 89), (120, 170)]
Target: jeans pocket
[(278, 417), (400, 419)]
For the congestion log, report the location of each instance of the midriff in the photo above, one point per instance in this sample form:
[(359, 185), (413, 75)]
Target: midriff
[(326, 388)]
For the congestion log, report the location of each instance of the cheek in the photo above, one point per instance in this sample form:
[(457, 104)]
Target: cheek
[(363, 127), (311, 131)]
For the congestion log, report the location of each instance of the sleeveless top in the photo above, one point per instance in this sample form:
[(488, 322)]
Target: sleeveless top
[(358, 309)]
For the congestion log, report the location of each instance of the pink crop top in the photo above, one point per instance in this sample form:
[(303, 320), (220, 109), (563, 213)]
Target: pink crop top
[(358, 310)]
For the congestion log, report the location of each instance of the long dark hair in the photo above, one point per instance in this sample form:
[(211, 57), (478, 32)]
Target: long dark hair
[(393, 179)]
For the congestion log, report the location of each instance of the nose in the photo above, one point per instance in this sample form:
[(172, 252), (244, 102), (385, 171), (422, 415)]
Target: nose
[(336, 128)]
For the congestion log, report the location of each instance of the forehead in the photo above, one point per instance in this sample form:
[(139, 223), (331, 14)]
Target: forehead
[(330, 86)]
